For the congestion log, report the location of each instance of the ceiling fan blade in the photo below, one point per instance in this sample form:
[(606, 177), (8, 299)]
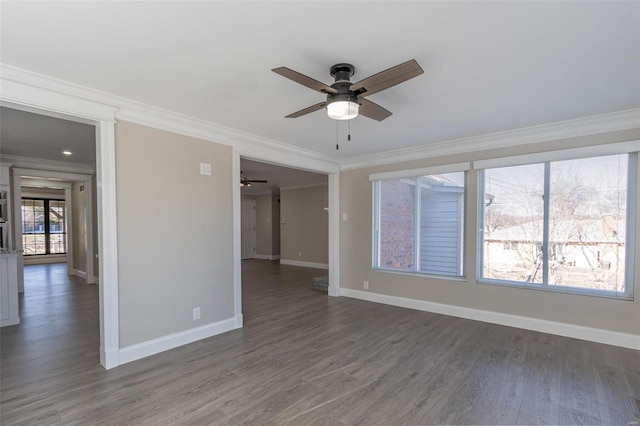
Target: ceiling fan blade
[(372, 110), (307, 110), (387, 78), (255, 181), (304, 80)]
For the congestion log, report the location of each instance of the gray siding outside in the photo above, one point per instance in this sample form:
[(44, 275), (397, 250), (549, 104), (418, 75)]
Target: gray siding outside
[(441, 230)]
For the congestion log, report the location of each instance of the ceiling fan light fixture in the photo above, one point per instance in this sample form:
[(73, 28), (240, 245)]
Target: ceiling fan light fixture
[(343, 110)]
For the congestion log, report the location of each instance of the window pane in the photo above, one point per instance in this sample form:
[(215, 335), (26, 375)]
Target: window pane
[(396, 221), (441, 223), (56, 217), (33, 216), (43, 226), (34, 244), (57, 243), (513, 223), (587, 223)]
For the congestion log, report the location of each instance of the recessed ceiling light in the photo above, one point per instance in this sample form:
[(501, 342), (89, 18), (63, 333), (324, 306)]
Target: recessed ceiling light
[(67, 152)]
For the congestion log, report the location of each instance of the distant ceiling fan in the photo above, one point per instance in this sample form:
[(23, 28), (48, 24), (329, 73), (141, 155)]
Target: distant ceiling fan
[(345, 100), (247, 182)]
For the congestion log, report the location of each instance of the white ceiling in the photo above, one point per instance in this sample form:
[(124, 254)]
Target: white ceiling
[(489, 66), (28, 135), (24, 134), (278, 178)]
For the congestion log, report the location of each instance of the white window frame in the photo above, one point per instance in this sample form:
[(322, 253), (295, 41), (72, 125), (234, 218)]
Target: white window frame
[(631, 148), (375, 178)]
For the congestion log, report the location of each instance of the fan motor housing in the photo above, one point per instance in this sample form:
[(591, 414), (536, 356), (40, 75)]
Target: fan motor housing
[(342, 72)]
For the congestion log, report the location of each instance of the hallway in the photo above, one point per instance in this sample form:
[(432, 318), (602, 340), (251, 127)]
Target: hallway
[(59, 327)]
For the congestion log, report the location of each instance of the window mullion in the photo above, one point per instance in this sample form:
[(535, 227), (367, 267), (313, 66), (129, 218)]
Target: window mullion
[(47, 238), (376, 221), (418, 224), (545, 223), (481, 224), (632, 221)]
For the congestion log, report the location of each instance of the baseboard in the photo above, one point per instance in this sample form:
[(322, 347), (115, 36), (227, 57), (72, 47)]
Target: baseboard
[(109, 359), (77, 273), (9, 321), (304, 264), (165, 343), (44, 259), (267, 256), (608, 337)]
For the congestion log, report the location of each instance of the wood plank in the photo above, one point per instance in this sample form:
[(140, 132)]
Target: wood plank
[(305, 358)]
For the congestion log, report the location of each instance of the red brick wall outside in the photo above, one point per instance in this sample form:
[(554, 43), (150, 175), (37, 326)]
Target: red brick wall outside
[(396, 224)]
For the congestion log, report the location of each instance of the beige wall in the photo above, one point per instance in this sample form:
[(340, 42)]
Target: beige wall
[(174, 232), (78, 221), (356, 254), (304, 235)]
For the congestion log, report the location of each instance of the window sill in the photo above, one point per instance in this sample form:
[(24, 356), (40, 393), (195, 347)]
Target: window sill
[(559, 289), (461, 278)]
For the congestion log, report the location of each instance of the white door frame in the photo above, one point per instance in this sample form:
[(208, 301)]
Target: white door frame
[(278, 157), (17, 174), (33, 98)]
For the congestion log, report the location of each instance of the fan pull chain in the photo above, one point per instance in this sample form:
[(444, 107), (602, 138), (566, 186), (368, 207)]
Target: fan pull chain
[(349, 131), (337, 146)]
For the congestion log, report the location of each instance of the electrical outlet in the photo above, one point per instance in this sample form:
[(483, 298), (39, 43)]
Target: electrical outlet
[(299, 254), (196, 313), (366, 285), (205, 169)]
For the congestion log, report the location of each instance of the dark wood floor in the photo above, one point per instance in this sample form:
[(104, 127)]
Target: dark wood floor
[(304, 358)]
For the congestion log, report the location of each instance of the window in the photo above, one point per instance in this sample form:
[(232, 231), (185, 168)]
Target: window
[(43, 226), (419, 223), (559, 224)]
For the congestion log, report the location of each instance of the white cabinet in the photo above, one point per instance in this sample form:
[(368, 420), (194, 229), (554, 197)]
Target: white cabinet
[(9, 314)]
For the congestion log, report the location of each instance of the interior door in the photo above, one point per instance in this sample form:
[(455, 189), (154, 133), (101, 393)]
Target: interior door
[(248, 229)]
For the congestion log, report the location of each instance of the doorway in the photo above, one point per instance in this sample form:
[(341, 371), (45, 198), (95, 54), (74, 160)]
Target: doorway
[(288, 208), (55, 104)]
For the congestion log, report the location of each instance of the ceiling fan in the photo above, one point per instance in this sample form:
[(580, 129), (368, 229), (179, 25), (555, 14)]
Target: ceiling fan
[(345, 100), (247, 182)]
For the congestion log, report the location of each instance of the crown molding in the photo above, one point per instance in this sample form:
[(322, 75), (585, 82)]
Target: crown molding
[(311, 185), (48, 165), (621, 120), (26, 85), (30, 91), (22, 87)]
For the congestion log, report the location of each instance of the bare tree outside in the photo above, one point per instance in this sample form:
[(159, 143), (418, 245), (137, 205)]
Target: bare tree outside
[(587, 205)]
